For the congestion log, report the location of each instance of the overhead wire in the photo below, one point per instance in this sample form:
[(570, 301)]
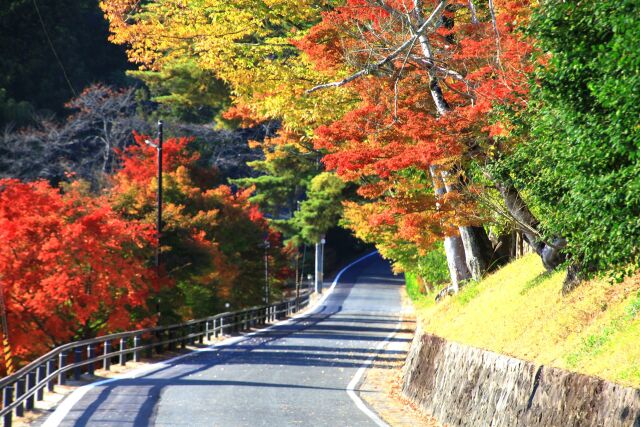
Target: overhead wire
[(53, 49)]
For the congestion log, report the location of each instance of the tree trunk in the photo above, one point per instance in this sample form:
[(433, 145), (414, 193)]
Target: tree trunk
[(551, 254), (478, 250), (454, 249), (453, 245), (477, 246)]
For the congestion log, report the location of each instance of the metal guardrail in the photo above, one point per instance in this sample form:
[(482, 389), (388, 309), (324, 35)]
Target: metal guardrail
[(21, 389)]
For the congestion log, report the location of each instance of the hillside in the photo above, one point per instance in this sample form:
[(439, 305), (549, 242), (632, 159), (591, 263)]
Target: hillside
[(519, 311)]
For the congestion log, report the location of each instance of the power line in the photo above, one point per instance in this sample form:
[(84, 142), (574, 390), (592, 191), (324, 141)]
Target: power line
[(53, 49)]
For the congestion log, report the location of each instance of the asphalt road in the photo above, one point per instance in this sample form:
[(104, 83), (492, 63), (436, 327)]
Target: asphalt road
[(294, 374)]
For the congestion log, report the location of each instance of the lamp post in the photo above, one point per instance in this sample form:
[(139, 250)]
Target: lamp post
[(158, 148)]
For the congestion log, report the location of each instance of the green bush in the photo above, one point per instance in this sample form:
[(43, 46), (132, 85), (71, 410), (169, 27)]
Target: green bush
[(427, 272), (581, 165)]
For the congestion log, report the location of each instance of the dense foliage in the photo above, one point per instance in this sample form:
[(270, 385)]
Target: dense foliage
[(436, 130), (424, 105), (212, 239), (76, 264), (70, 266), (580, 158)]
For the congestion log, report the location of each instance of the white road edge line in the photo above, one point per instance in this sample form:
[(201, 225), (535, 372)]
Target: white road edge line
[(63, 409), (351, 388)]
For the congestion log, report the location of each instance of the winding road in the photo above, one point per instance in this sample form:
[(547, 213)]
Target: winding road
[(294, 373)]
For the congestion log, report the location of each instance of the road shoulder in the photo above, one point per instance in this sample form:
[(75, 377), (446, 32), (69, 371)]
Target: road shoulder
[(383, 381)]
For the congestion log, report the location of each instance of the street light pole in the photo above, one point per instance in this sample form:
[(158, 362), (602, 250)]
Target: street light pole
[(159, 195), (158, 148)]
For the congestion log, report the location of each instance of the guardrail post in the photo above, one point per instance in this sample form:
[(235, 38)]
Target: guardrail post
[(183, 338), (77, 357), (20, 390), (62, 362), (7, 399), (149, 350), (201, 331), (91, 367), (42, 374), (206, 330), (215, 328), (31, 383), (159, 347), (137, 340), (106, 362), (171, 336), (123, 356), (50, 369), (222, 326)]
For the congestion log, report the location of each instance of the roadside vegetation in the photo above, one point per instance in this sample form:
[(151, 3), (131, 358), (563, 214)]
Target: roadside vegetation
[(520, 311)]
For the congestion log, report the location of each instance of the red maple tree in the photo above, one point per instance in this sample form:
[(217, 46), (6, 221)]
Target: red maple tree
[(70, 267)]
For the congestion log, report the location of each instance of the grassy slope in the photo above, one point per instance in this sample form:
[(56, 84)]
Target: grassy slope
[(520, 311)]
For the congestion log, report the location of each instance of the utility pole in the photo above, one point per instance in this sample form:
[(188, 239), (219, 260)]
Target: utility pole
[(298, 279), (319, 277), (159, 195), (158, 148)]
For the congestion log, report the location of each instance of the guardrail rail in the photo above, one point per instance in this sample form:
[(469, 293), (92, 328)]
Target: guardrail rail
[(21, 389)]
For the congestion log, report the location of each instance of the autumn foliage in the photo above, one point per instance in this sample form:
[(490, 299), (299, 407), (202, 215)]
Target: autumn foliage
[(212, 239), (76, 265), (389, 141), (70, 266)]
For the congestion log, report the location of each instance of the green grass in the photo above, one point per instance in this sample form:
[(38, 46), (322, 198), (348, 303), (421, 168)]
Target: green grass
[(420, 300), (520, 311), (469, 291)]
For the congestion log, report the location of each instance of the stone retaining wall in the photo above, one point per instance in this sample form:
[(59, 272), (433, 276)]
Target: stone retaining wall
[(465, 386)]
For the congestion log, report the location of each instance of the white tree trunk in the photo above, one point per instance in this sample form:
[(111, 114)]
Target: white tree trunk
[(477, 246), (453, 245)]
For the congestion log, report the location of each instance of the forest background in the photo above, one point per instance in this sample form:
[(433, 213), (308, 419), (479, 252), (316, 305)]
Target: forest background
[(440, 131)]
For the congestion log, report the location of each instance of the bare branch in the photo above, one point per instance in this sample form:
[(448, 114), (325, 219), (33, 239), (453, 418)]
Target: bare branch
[(495, 29), (376, 66), (472, 10)]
